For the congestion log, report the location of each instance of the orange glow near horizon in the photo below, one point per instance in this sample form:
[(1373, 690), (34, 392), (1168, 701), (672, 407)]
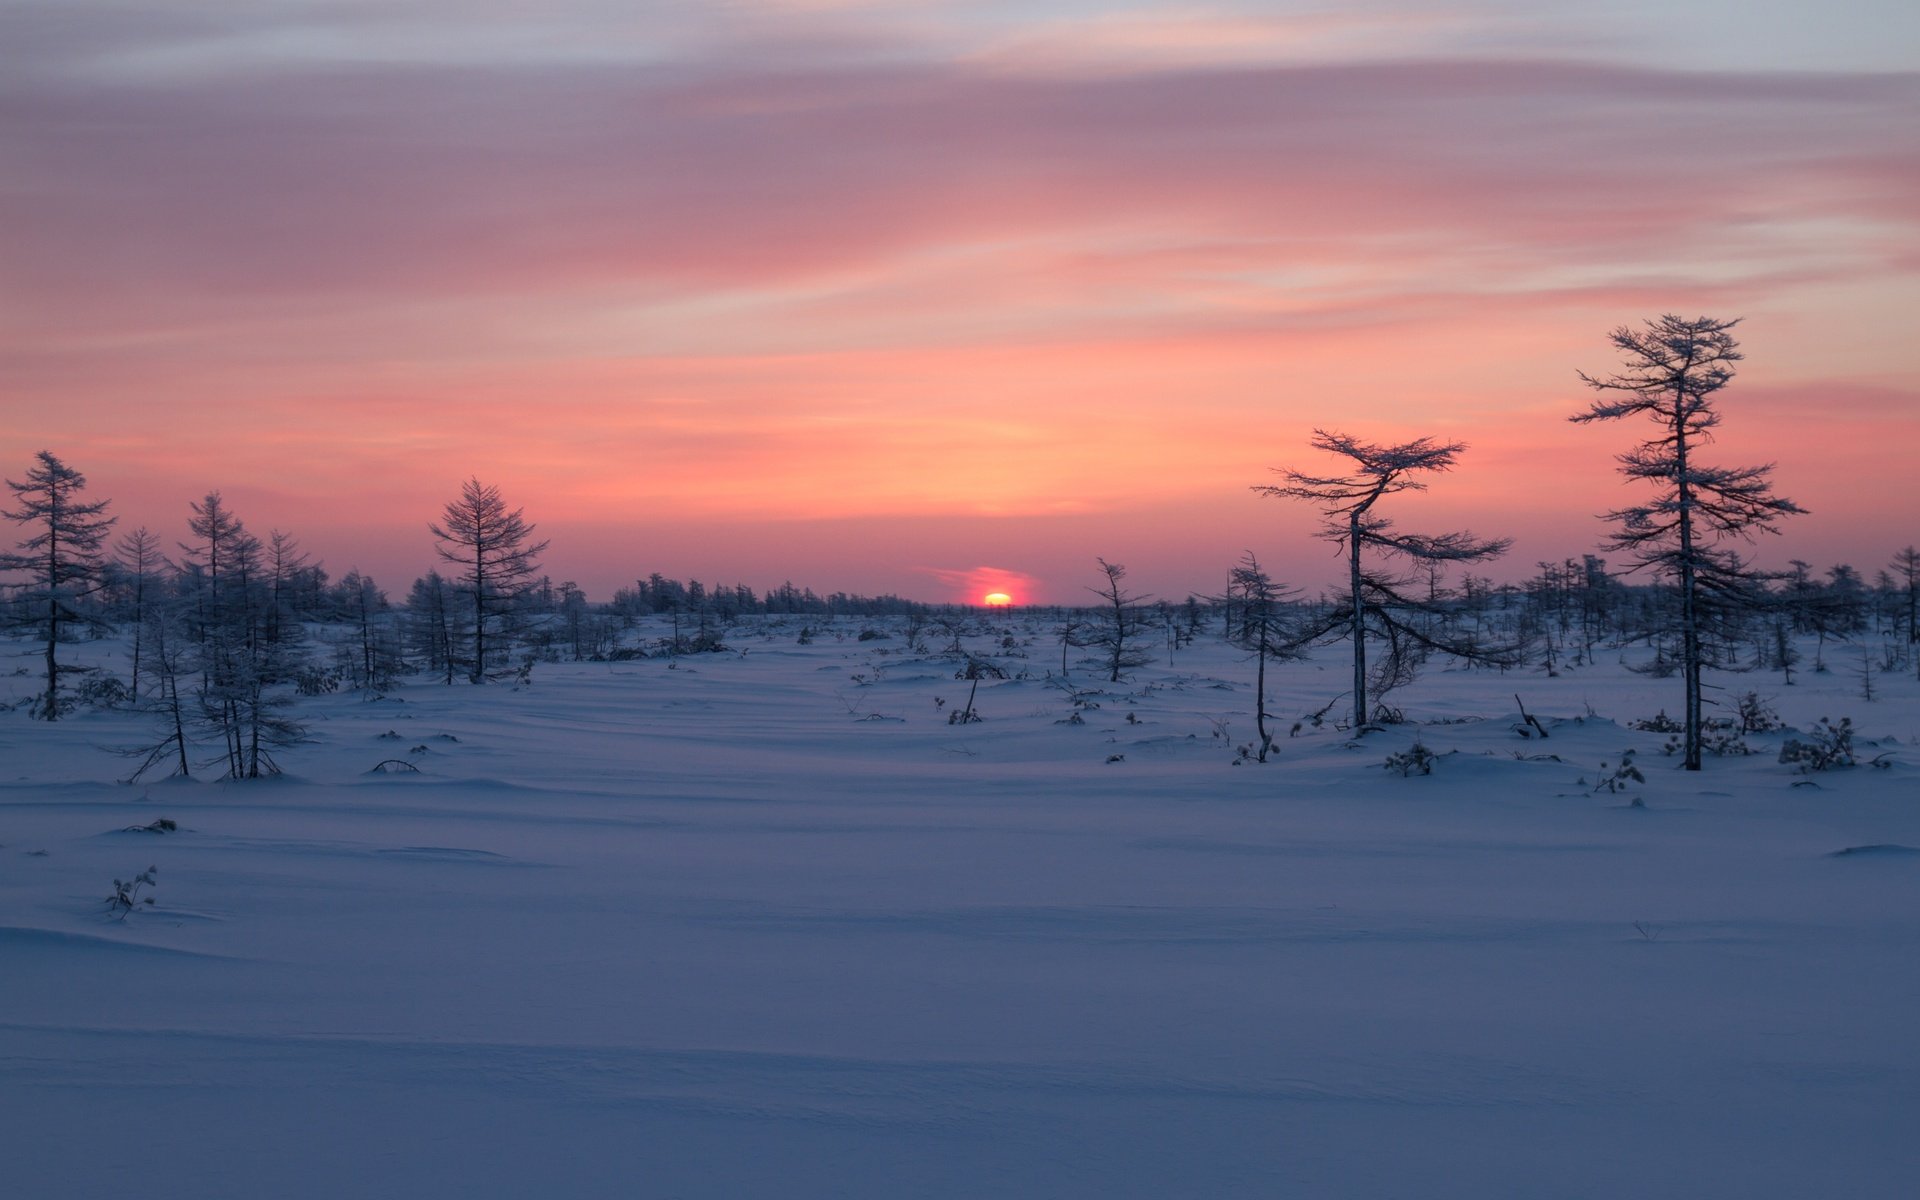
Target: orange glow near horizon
[(996, 600)]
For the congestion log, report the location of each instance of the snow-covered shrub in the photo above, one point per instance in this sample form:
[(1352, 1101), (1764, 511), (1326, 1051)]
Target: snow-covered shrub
[(1755, 715), (1414, 760), (102, 691), (1719, 740), (1660, 722), (1830, 746), (126, 892), (1623, 773), (312, 679)]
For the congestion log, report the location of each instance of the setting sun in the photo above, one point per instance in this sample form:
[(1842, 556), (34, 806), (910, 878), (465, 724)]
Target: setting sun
[(997, 600)]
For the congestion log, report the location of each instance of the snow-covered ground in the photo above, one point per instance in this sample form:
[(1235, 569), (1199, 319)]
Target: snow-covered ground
[(747, 926)]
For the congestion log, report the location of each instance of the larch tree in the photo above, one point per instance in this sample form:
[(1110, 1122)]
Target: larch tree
[(1259, 623), (167, 653), (61, 557), (1378, 599), (135, 571), (1673, 369), (433, 625), (245, 660), (1119, 629), (1906, 567), (497, 560)]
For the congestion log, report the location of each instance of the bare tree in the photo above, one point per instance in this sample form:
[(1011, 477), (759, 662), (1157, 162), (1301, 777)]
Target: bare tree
[(374, 665), (136, 565), (1262, 627), (1906, 564), (247, 655), (1673, 368), (167, 653), (1120, 630), (1072, 633), (433, 625), (1377, 597), (496, 560), (220, 572), (62, 559), (284, 564)]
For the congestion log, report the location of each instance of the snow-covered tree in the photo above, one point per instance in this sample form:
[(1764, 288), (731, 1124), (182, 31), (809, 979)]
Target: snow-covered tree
[(1378, 601), (1906, 573), (61, 557), (433, 624), (374, 659), (1674, 367), (491, 545)]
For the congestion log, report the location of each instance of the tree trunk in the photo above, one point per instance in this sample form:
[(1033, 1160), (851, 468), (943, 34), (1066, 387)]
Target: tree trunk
[(1359, 619), (1689, 600), (1260, 688), (53, 622), (479, 618)]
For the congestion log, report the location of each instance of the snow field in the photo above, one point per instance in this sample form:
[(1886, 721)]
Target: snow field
[(721, 928)]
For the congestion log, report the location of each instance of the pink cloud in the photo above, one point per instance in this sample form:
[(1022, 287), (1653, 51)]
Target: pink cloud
[(1047, 314)]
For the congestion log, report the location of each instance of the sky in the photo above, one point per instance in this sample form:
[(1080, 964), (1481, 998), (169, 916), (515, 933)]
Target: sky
[(941, 298)]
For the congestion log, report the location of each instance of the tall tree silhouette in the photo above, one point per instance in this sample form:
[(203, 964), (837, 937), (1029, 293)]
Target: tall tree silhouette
[(497, 560), (61, 557), (1673, 369), (1377, 598)]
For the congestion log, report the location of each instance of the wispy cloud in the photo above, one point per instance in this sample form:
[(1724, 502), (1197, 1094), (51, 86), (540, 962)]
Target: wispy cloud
[(811, 261)]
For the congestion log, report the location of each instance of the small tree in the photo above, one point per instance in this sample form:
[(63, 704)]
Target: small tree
[(135, 571), (62, 560), (361, 601), (497, 564), (1072, 633), (167, 656), (1906, 569), (1120, 629), (1262, 627), (433, 624), (1674, 368), (1378, 601), (247, 654)]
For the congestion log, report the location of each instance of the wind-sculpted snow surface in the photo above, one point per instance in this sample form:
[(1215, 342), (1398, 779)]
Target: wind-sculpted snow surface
[(746, 925)]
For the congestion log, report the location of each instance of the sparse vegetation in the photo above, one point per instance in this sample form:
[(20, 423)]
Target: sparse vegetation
[(126, 893), (1414, 760), (1827, 747)]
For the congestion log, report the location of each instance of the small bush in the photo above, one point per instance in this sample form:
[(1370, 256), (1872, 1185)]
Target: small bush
[(1755, 715), (102, 691), (1660, 722), (315, 681), (1623, 773), (1829, 747), (1723, 741), (126, 892), (1414, 760)]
